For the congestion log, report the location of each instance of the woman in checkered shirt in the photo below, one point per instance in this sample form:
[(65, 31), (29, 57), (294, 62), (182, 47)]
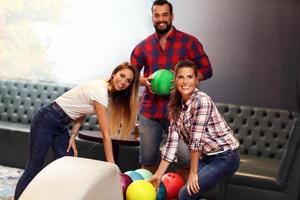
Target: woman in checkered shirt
[(196, 122)]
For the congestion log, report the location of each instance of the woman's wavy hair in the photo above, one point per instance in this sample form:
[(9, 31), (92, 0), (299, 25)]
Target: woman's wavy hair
[(123, 107), (176, 98)]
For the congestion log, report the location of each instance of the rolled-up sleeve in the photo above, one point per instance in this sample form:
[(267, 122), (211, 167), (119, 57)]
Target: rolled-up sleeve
[(170, 148), (202, 111), (136, 57)]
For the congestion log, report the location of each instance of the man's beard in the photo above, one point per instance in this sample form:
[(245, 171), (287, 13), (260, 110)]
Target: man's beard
[(163, 31)]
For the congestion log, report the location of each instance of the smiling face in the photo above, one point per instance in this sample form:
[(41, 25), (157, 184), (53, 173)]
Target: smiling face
[(186, 81), (122, 79), (162, 18)]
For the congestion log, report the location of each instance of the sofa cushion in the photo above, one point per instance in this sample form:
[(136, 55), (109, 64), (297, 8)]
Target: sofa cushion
[(257, 172), (5, 125)]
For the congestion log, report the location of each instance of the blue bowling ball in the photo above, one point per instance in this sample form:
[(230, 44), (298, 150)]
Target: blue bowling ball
[(134, 175), (162, 192)]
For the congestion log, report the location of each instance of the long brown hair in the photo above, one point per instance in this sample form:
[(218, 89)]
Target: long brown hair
[(123, 107), (176, 98)]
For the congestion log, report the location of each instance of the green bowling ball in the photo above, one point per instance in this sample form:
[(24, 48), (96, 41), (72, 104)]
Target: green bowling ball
[(162, 82)]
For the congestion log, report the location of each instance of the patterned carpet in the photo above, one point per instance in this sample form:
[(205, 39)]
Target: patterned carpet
[(8, 179)]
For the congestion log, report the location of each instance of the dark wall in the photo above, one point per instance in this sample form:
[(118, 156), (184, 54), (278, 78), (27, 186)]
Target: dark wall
[(253, 45)]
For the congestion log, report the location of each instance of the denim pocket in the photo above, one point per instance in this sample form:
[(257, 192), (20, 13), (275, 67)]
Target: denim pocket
[(53, 117)]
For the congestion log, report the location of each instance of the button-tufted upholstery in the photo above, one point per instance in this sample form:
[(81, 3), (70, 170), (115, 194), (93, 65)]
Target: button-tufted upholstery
[(269, 143), (261, 132), (19, 100)]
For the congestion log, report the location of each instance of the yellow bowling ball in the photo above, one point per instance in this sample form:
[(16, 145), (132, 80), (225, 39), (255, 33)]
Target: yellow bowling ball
[(140, 190)]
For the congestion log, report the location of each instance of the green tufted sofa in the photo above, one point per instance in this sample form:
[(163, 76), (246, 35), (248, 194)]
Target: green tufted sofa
[(270, 142)]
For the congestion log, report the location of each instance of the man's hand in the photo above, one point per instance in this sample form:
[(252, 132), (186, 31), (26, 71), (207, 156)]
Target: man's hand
[(147, 82)]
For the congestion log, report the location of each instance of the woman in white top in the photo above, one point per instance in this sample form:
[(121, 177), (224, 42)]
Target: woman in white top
[(114, 102)]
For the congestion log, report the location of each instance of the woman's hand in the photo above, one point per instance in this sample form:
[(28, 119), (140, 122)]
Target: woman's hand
[(74, 131), (192, 184), (155, 180), (72, 144)]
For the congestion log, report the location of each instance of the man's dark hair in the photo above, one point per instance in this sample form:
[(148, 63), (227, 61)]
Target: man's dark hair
[(162, 2)]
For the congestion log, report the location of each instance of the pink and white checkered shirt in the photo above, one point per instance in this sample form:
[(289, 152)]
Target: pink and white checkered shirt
[(201, 127)]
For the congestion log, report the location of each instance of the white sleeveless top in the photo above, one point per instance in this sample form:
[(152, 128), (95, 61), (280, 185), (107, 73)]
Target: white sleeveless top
[(78, 101)]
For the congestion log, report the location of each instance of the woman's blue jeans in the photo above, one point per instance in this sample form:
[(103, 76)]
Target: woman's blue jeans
[(211, 171), (48, 128)]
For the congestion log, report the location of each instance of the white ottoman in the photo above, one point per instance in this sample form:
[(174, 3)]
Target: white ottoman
[(71, 178)]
